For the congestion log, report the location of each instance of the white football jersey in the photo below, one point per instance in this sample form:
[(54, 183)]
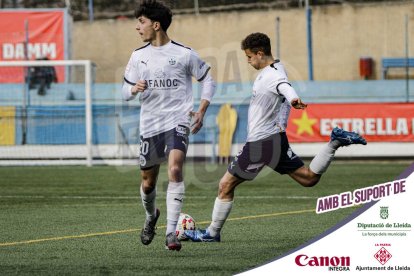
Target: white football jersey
[(269, 110), (168, 71)]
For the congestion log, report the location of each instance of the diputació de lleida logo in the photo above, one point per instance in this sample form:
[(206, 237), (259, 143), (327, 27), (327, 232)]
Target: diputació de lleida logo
[(384, 212)]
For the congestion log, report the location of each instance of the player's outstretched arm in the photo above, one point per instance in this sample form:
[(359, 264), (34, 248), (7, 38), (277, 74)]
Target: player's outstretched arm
[(298, 104), (290, 94)]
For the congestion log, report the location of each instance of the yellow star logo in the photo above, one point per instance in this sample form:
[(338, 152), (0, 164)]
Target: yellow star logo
[(304, 124)]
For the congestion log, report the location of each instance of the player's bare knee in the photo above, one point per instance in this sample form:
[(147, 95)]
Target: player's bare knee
[(175, 173)]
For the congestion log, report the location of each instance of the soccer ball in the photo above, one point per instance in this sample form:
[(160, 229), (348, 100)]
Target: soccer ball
[(185, 222)]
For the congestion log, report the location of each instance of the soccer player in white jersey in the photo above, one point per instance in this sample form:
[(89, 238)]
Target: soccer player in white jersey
[(267, 143), (160, 75)]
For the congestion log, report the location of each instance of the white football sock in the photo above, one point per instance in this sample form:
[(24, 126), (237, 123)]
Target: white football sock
[(221, 211), (322, 160), (335, 144), (175, 198), (148, 201)]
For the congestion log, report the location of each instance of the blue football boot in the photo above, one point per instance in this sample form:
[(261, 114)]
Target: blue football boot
[(199, 235), (346, 138)]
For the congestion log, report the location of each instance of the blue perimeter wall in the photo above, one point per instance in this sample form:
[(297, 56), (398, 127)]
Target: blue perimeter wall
[(59, 116)]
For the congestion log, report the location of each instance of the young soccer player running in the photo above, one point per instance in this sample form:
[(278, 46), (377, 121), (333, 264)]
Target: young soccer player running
[(267, 143), (160, 74)]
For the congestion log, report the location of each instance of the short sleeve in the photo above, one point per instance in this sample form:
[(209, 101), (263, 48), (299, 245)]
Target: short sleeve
[(278, 77), (198, 68)]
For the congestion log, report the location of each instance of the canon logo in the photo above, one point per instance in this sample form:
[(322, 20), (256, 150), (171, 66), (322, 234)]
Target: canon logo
[(304, 260)]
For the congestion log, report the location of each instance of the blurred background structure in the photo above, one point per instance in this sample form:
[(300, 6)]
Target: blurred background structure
[(106, 9), (350, 60)]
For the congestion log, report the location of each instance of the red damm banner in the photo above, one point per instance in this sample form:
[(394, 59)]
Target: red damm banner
[(30, 35), (377, 122)]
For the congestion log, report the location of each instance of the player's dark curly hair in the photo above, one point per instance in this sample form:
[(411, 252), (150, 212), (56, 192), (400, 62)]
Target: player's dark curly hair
[(156, 11), (257, 42)]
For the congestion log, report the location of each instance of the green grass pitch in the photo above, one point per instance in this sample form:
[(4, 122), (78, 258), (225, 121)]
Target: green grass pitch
[(86, 221)]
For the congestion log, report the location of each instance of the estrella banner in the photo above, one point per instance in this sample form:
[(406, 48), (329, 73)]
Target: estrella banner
[(30, 35), (377, 122)]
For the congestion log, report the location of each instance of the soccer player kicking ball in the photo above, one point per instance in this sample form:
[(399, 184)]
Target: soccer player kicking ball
[(267, 143), (160, 74)]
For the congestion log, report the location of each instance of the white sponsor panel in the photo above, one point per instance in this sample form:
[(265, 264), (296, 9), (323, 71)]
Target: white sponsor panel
[(377, 242)]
